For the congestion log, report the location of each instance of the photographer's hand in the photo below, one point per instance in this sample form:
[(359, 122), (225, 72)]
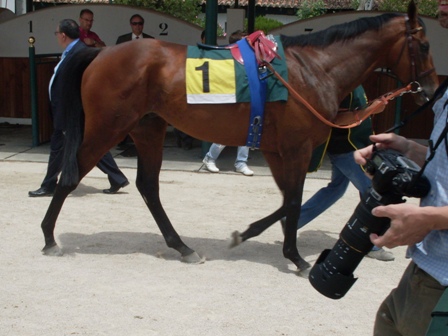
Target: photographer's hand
[(362, 155), (381, 141), (409, 223), (408, 148)]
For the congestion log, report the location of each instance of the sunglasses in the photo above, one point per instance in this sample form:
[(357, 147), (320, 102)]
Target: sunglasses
[(137, 23)]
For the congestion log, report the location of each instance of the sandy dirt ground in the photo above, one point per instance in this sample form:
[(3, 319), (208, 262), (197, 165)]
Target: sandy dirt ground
[(118, 277)]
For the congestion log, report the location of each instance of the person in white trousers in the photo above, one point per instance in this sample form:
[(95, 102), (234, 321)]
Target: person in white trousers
[(240, 162), (216, 149)]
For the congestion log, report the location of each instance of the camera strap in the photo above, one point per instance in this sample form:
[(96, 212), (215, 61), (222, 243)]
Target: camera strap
[(437, 95), (432, 147)]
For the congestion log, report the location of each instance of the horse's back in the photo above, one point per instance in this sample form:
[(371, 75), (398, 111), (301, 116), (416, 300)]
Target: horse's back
[(128, 59), (137, 71)]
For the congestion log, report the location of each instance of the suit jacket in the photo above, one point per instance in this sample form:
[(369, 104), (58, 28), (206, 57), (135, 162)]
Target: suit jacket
[(128, 37), (56, 88)]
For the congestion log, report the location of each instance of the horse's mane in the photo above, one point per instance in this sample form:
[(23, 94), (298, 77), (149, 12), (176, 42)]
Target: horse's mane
[(340, 32)]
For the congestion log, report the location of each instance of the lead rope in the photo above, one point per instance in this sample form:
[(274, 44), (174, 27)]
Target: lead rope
[(378, 105)]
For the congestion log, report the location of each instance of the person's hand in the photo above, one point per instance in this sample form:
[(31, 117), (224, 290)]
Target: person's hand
[(90, 42), (408, 148), (100, 44), (391, 141), (382, 141), (362, 155), (407, 226)]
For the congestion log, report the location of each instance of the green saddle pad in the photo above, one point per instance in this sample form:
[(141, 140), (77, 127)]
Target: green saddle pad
[(214, 77)]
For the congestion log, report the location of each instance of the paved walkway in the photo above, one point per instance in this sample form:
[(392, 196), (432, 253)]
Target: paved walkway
[(16, 145)]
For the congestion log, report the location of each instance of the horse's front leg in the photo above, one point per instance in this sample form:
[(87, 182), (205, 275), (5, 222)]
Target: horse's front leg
[(51, 248), (149, 138), (290, 251), (290, 176)]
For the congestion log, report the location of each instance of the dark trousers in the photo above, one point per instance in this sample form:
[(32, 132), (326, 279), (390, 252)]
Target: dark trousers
[(184, 140), (107, 164), (407, 309)]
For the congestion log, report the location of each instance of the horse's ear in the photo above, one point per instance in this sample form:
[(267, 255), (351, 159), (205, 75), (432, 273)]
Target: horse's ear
[(412, 14)]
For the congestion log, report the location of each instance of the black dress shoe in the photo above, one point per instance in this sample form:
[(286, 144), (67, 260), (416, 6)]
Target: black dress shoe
[(114, 189), (40, 192)]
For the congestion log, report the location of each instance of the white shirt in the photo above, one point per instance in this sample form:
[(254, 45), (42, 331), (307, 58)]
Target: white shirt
[(67, 49)]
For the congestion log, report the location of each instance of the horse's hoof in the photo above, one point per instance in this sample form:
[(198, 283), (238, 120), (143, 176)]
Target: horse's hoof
[(52, 250), (304, 273), (192, 258), (236, 239), (303, 266)]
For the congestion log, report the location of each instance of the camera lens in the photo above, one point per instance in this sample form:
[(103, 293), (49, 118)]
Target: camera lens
[(393, 177), (332, 275)]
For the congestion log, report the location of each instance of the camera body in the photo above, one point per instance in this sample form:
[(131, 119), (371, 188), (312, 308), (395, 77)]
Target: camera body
[(394, 176)]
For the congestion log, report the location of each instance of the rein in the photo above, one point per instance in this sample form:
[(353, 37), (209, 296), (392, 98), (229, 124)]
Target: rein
[(355, 117), (351, 119)]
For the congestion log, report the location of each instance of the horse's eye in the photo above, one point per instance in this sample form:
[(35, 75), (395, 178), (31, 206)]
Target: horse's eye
[(424, 47)]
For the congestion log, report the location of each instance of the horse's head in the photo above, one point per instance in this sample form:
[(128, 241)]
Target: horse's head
[(413, 61)]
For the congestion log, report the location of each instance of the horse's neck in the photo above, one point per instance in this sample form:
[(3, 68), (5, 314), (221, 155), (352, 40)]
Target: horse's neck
[(349, 64)]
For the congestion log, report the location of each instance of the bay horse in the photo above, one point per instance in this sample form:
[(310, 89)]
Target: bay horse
[(138, 88)]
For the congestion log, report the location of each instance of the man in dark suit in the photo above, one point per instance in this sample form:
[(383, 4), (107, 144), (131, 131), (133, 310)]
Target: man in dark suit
[(137, 23), (67, 34)]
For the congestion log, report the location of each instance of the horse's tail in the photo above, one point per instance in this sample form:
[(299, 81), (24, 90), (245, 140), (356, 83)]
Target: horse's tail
[(71, 104)]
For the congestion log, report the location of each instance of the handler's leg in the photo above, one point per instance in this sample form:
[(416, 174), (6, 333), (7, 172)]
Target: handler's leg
[(407, 309)]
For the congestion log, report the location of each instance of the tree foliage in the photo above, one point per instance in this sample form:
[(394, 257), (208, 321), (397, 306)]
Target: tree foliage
[(425, 7), (187, 10), (311, 9), (265, 24)]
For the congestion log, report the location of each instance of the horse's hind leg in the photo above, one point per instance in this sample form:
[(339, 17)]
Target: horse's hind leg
[(86, 157), (256, 228), (292, 189), (149, 137), (290, 250), (49, 222)]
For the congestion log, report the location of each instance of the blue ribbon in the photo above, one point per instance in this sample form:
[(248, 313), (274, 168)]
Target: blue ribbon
[(257, 87)]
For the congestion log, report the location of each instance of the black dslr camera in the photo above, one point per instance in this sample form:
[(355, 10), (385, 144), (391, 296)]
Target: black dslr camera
[(394, 176)]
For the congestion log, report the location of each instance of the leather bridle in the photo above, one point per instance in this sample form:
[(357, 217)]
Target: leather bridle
[(415, 77)]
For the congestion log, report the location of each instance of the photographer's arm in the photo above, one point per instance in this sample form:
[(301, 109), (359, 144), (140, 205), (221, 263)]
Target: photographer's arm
[(408, 148), (409, 223)]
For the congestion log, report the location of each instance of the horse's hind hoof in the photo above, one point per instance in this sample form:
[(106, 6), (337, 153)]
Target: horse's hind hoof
[(52, 250), (304, 273), (192, 258), (303, 267), (235, 239)]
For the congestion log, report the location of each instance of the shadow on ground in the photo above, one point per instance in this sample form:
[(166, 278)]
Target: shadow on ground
[(109, 243)]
